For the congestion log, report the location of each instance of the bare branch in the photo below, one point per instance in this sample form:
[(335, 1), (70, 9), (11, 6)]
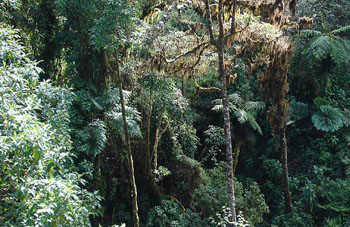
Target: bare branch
[(233, 20), (199, 57), (210, 26), (194, 50)]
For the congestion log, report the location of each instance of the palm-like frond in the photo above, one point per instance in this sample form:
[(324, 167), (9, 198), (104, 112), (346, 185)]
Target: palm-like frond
[(346, 119), (320, 47), (254, 124), (242, 110), (331, 44), (341, 30), (97, 134), (254, 106), (339, 51), (132, 118), (310, 33), (235, 98), (241, 115)]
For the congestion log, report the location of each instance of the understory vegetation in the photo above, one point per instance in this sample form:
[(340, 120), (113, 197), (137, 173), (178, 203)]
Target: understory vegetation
[(174, 113)]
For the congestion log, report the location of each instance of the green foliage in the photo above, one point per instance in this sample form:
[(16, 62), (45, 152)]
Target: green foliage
[(299, 110), (214, 139), (110, 29), (328, 44), (328, 119), (39, 185), (222, 218), (97, 136), (212, 197), (171, 213), (244, 111)]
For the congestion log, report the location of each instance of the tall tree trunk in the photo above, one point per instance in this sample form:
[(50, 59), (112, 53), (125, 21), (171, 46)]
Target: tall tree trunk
[(284, 152), (227, 126), (155, 190), (233, 21), (155, 149), (183, 84), (130, 158), (159, 133), (148, 144), (237, 150)]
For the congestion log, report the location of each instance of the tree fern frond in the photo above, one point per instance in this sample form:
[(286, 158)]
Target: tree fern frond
[(254, 106), (241, 115), (235, 98), (132, 118), (320, 47), (217, 108), (346, 119), (339, 52), (98, 136), (310, 33), (341, 30), (217, 102), (254, 124)]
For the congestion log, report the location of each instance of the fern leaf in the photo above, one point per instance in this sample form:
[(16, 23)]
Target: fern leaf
[(310, 33), (346, 119), (254, 106), (98, 136), (235, 98), (341, 30), (241, 115), (320, 47), (338, 51), (254, 124)]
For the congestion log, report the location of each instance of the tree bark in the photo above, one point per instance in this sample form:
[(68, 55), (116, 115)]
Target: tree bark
[(237, 150), (155, 190), (183, 85), (157, 137), (130, 158), (148, 148), (233, 21), (284, 152), (155, 150), (227, 126)]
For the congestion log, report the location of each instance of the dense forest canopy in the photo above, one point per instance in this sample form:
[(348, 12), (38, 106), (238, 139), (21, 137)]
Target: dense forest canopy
[(174, 113)]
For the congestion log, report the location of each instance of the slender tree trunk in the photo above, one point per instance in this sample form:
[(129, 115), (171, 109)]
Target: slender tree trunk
[(237, 150), (284, 152), (233, 21), (130, 158), (183, 84), (155, 149), (159, 133), (156, 193), (227, 126), (148, 149)]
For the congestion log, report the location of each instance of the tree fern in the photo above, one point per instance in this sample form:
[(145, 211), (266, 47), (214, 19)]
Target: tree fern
[(339, 51), (310, 33), (341, 30), (97, 136), (320, 47), (132, 118), (243, 111), (332, 44)]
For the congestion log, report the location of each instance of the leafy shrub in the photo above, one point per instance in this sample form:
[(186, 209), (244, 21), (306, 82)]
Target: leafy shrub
[(38, 184)]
